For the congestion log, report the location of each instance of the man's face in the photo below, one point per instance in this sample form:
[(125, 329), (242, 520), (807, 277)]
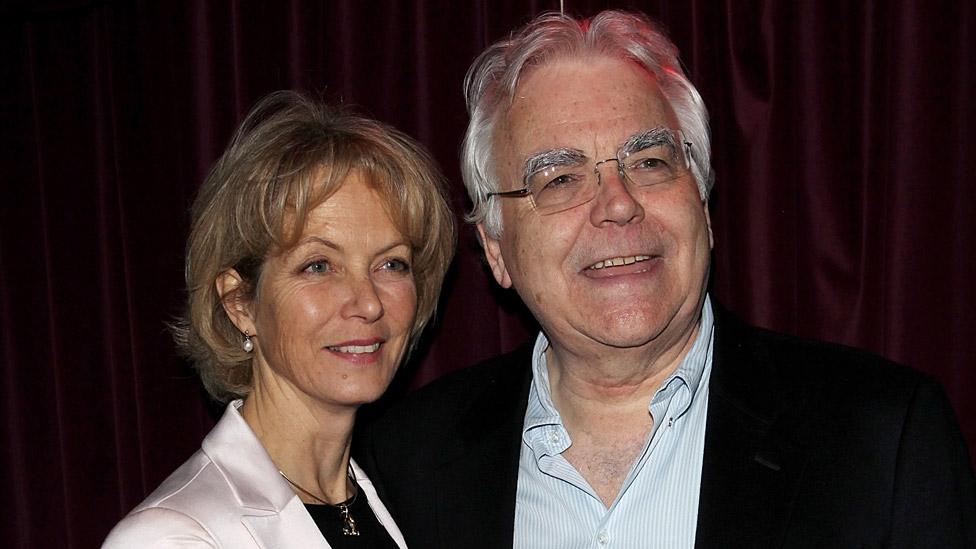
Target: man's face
[(594, 105)]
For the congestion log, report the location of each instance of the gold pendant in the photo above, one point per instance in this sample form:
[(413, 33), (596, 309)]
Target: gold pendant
[(348, 523)]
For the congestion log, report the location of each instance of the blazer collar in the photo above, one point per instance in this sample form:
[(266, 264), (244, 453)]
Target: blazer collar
[(750, 470), (236, 451), (271, 511)]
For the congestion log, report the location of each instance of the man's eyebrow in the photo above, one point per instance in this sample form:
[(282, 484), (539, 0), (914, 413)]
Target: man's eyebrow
[(541, 160), (648, 138)]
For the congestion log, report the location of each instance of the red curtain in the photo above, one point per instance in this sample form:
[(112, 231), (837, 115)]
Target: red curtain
[(843, 207)]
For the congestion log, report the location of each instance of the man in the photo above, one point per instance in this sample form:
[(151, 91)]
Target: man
[(644, 415)]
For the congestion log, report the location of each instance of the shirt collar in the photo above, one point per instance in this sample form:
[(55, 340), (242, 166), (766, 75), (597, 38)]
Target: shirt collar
[(541, 410)]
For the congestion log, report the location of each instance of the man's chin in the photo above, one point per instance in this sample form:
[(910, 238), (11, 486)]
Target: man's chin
[(641, 328)]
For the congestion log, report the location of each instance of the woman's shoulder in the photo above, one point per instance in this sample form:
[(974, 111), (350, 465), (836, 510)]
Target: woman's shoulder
[(176, 512), (196, 506), (158, 527), (201, 501)]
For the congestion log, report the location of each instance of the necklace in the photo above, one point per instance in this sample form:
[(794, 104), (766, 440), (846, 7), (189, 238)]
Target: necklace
[(348, 523)]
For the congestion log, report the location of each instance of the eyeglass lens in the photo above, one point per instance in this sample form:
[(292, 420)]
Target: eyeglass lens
[(648, 158)]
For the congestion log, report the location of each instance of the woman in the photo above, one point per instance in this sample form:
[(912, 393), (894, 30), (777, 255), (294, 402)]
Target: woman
[(319, 243)]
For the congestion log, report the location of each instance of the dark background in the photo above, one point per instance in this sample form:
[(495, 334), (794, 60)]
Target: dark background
[(843, 207)]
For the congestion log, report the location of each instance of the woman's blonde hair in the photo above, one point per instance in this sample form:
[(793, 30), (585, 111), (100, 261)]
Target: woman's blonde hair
[(289, 155)]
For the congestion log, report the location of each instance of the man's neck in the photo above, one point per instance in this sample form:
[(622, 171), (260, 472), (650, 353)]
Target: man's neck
[(611, 378), (603, 404)]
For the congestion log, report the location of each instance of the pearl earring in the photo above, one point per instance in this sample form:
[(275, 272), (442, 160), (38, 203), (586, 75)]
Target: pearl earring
[(248, 344)]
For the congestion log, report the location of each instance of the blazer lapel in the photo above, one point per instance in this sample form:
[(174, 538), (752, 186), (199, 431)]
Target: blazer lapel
[(749, 472), (290, 527), (269, 509), (477, 480)]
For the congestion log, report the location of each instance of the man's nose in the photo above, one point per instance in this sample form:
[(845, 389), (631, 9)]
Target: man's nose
[(615, 201), (362, 301)]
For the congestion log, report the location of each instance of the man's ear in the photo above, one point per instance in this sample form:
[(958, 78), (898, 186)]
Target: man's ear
[(231, 289), (493, 253)]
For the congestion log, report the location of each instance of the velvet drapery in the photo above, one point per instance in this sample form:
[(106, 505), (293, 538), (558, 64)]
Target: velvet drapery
[(843, 210)]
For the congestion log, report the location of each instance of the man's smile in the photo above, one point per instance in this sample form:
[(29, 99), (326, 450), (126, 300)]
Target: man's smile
[(623, 265), (618, 261)]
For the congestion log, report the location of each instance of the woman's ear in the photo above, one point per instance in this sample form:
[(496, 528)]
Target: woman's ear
[(232, 288)]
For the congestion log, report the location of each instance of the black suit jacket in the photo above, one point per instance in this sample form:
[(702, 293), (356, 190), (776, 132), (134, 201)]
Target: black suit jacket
[(807, 444)]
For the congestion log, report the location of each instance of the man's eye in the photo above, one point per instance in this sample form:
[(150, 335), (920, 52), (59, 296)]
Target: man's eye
[(650, 163), (558, 183), (562, 181), (319, 266)]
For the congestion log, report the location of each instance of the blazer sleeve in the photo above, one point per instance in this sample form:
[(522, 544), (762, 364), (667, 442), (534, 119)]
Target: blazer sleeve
[(935, 491), (158, 528)]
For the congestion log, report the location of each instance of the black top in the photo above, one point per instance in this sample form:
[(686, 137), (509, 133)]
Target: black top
[(372, 534)]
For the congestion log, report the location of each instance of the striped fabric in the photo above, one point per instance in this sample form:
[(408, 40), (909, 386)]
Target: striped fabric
[(658, 503)]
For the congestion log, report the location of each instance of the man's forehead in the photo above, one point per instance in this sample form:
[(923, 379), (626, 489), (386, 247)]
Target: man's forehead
[(576, 104), (609, 136), (566, 80)]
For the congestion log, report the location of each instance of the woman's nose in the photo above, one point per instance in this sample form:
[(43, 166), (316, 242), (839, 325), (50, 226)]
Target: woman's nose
[(363, 301)]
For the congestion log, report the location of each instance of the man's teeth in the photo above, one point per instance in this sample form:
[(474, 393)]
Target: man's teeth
[(355, 349), (618, 261)]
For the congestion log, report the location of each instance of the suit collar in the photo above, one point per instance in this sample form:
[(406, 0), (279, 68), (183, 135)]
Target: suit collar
[(272, 513), (236, 451), (750, 471)]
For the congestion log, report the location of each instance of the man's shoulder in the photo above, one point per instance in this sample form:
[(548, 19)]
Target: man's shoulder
[(851, 435), (790, 355), (766, 369), (455, 390), (481, 396)]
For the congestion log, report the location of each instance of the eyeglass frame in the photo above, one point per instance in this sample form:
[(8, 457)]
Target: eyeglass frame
[(676, 137)]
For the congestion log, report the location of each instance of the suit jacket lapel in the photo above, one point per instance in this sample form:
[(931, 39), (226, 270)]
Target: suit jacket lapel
[(750, 471), (477, 480), (290, 527)]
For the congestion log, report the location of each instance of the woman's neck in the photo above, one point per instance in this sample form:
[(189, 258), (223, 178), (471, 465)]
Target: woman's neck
[(308, 442)]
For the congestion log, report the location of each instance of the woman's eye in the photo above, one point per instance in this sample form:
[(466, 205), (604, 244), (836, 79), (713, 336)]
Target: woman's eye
[(319, 266), (396, 265)]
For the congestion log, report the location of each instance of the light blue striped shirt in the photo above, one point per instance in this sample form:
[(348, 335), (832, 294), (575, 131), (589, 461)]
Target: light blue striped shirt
[(657, 506)]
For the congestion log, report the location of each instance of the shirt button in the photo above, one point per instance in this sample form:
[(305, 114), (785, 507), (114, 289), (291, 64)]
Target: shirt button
[(603, 538), (554, 437)]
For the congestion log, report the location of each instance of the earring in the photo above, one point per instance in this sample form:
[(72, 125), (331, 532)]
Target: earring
[(248, 344)]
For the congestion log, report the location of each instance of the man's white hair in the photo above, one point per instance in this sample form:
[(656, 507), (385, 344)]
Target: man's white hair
[(490, 84)]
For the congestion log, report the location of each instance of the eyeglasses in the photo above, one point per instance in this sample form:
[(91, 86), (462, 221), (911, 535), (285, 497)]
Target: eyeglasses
[(560, 179)]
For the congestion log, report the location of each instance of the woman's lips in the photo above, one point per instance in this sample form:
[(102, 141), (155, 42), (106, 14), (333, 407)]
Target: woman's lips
[(360, 351), (355, 349)]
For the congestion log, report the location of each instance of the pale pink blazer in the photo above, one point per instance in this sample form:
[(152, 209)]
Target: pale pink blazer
[(229, 494)]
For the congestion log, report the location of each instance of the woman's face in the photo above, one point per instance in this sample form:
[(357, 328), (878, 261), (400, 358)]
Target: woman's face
[(333, 314)]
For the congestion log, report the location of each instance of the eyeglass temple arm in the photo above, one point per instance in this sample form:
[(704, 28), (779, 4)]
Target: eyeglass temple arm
[(516, 192)]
